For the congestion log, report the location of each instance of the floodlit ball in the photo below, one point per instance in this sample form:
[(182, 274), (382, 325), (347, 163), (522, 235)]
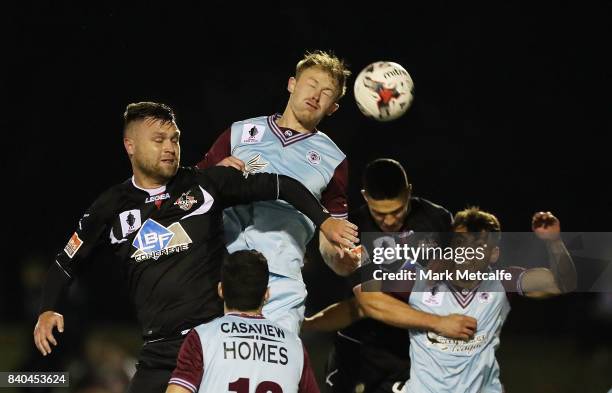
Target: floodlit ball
[(383, 91)]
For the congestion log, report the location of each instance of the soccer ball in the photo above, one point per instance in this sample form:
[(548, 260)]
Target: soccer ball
[(383, 91)]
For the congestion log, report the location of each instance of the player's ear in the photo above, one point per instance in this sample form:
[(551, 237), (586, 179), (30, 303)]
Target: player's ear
[(291, 84), (128, 143), (333, 108), (494, 255), (220, 290), (267, 295)]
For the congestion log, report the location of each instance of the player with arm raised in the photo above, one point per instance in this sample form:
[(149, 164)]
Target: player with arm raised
[(165, 226)]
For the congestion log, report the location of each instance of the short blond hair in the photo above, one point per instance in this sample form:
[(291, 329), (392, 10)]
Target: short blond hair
[(329, 62)]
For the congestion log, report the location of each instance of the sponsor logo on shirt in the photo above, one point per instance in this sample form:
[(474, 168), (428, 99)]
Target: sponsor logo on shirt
[(158, 197), (255, 164), (452, 345), (73, 245), (130, 221), (252, 133), (154, 240), (186, 201)]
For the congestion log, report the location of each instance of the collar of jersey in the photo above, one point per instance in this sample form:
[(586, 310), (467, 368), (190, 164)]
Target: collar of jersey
[(150, 191), (243, 315), (296, 137)]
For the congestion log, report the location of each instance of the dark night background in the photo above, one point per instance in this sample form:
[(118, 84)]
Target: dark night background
[(511, 109)]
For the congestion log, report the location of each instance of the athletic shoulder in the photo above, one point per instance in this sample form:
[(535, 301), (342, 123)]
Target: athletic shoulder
[(252, 120), (330, 145), (432, 209)]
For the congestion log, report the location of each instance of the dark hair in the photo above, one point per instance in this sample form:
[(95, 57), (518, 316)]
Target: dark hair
[(244, 276), (144, 110), (385, 178), (476, 220)]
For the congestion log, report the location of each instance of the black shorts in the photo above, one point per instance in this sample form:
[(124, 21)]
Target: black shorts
[(355, 367), (156, 362)]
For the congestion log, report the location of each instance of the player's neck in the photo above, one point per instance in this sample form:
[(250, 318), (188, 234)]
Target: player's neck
[(289, 120), (146, 182), (465, 284), (252, 313)]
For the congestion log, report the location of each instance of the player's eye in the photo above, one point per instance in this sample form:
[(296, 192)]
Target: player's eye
[(158, 140), (327, 93)]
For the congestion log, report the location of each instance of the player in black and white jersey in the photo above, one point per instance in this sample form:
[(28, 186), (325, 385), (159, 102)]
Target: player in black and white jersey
[(165, 225)]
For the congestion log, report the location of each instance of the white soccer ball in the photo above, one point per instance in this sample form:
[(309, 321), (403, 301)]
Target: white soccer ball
[(383, 91)]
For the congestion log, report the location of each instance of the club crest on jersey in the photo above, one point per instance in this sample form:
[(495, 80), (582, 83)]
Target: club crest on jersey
[(252, 133), (73, 245), (130, 221), (186, 201), (313, 157), (485, 297), (158, 197), (154, 240), (255, 164)]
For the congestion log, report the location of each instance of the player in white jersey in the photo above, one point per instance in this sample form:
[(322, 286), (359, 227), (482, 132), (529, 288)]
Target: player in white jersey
[(242, 352), (290, 144), (439, 364)]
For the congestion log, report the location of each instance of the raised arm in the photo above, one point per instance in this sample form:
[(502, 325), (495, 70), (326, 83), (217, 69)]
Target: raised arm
[(236, 189), (560, 277)]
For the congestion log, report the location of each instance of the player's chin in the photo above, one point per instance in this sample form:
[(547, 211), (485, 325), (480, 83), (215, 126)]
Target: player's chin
[(168, 170)]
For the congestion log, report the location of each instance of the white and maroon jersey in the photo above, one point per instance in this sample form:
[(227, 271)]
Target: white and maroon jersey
[(276, 229), (440, 364), (243, 354)]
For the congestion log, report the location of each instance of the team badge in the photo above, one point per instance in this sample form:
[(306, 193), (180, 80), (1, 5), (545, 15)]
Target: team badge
[(186, 201), (313, 157)]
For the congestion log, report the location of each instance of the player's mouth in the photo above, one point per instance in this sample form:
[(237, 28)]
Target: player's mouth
[(168, 161), (312, 105)]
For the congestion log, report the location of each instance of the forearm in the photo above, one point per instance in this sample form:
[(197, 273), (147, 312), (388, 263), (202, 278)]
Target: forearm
[(561, 265), (335, 317), (302, 199), (330, 256), (56, 282), (391, 311)]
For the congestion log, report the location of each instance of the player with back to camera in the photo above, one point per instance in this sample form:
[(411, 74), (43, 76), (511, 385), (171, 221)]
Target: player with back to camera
[(243, 351)]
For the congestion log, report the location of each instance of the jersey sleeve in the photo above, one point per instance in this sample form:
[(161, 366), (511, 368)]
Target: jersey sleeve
[(87, 235), (308, 382), (334, 197), (220, 149), (189, 364), (234, 189)]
